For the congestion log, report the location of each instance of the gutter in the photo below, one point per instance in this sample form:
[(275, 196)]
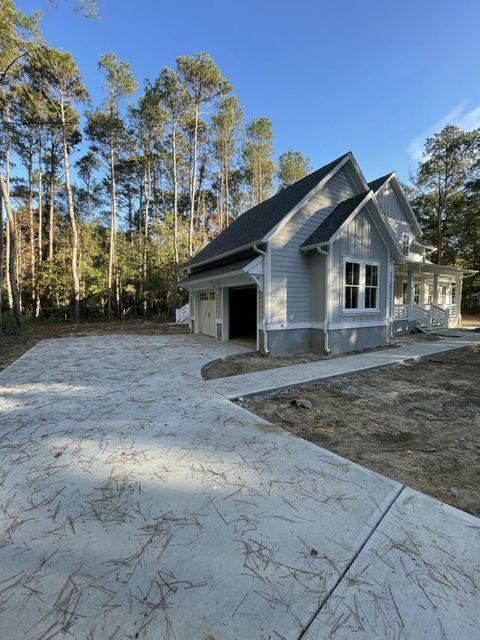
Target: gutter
[(327, 298), (265, 298)]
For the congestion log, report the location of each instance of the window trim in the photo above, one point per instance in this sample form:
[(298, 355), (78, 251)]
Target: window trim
[(405, 236), (362, 287)]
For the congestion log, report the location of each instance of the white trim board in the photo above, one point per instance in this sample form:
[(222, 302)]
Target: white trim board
[(285, 326)]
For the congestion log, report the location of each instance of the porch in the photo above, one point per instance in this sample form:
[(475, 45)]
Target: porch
[(427, 296)]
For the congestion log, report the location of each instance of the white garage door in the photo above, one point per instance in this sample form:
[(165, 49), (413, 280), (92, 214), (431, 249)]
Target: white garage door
[(207, 323)]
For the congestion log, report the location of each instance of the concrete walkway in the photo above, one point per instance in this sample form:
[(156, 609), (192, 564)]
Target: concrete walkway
[(137, 502), (287, 377)]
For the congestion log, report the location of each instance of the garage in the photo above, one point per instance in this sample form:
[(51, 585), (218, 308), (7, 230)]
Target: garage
[(206, 312), (242, 307)]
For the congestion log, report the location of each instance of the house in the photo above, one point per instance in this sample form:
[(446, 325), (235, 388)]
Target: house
[(330, 264)]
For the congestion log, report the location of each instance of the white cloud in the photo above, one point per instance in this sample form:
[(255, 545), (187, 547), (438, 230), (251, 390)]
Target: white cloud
[(458, 116)]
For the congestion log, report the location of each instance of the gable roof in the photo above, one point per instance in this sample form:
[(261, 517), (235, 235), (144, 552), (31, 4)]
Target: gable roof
[(334, 220), (344, 213), (250, 227), (376, 185)]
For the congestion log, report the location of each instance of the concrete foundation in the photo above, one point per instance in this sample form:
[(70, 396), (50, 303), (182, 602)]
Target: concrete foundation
[(288, 341), (345, 340)]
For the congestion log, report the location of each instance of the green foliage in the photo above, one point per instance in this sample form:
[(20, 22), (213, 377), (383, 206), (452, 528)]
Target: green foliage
[(292, 166), (256, 152)]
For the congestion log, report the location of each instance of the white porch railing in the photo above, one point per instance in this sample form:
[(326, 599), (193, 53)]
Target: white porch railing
[(430, 316), (400, 312), (182, 315), (439, 315), (423, 317)]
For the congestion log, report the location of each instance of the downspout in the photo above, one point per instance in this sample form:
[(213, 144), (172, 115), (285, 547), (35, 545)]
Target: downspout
[(327, 299), (265, 297)]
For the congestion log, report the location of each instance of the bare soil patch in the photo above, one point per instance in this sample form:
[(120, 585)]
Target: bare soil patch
[(12, 347), (418, 423), (250, 362)]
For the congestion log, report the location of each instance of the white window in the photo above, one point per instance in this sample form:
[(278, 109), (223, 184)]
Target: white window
[(352, 284), (443, 294), (417, 289), (406, 243), (361, 282), (430, 294)]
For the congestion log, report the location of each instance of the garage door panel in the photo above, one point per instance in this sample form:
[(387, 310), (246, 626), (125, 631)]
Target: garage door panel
[(207, 309)]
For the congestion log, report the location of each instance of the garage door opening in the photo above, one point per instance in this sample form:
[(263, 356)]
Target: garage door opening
[(242, 307)]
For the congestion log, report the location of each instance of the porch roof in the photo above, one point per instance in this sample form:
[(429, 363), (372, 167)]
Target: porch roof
[(224, 270), (430, 267)]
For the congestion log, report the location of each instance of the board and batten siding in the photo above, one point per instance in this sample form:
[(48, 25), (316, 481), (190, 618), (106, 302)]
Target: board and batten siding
[(393, 209), (359, 239), (291, 282)]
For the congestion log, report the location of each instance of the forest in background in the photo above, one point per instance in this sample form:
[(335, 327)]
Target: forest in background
[(101, 204)]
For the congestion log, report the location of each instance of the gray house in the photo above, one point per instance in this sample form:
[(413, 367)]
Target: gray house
[(330, 264)]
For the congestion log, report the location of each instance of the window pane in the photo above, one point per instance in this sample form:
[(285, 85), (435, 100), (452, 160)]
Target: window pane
[(352, 273), (351, 297), (371, 275), (370, 298), (356, 273)]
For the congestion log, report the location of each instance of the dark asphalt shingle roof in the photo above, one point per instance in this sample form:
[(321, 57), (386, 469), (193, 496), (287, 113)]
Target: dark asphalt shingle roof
[(334, 220), (255, 223), (376, 184), (222, 269)]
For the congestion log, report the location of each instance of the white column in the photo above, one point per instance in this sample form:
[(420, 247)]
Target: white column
[(410, 295), (458, 295), (435, 288)]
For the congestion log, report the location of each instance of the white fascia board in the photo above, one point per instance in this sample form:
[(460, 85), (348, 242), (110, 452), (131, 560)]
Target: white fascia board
[(208, 279), (222, 255), (354, 324), (358, 208), (304, 201), (255, 267), (359, 173)]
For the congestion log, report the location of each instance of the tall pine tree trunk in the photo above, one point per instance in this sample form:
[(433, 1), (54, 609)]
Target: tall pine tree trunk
[(111, 256), (193, 186), (73, 222), (31, 234), (12, 255), (175, 225), (2, 254), (40, 225), (148, 190)]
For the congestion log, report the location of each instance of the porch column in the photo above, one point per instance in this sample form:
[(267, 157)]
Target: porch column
[(458, 299), (410, 295), (435, 288)]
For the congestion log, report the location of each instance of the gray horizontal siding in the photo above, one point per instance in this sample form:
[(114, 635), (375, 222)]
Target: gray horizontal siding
[(290, 271)]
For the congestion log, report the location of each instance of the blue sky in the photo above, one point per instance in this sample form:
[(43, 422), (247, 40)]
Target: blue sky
[(375, 77)]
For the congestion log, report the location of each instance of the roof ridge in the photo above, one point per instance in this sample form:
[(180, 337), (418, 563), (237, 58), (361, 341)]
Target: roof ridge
[(253, 224)]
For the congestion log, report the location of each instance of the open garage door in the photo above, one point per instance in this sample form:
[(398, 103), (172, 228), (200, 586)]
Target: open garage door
[(207, 322), (242, 306)]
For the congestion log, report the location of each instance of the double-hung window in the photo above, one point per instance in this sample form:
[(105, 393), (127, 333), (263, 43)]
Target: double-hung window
[(405, 243), (352, 284), (361, 283)]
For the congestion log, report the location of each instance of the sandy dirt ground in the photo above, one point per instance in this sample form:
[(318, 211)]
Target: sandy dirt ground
[(249, 362), (12, 347), (418, 423)]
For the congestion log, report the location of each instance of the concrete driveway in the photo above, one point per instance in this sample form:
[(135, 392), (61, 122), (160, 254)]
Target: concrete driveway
[(137, 502)]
